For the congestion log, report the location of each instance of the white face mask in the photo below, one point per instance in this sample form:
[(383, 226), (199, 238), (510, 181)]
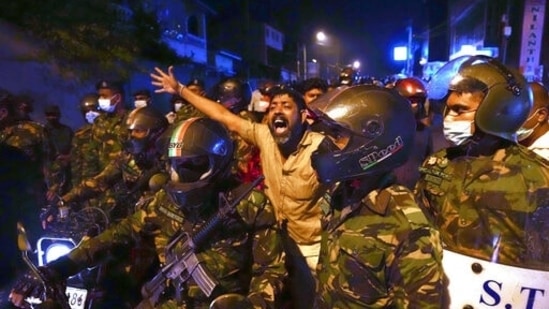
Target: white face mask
[(177, 106), (457, 131), (140, 103), (261, 106), (91, 115), (105, 105), (523, 133)]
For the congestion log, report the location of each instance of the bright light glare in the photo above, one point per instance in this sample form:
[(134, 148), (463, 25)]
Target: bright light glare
[(356, 64), (400, 53), (56, 251), (321, 36)]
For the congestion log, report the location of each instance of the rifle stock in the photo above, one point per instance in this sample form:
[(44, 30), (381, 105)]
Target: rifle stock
[(185, 263)]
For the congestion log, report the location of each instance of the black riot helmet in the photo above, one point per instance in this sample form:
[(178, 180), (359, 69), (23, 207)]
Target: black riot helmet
[(147, 125), (200, 152), (507, 96), (233, 93), (378, 125), (89, 103)]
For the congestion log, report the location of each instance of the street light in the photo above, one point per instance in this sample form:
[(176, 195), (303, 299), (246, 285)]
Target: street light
[(323, 40)]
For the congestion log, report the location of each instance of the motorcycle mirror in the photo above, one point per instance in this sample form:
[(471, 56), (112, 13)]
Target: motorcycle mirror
[(22, 239)]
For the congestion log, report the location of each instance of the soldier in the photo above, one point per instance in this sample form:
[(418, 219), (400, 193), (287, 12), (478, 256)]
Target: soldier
[(24, 106), (142, 98), (534, 132), (488, 195), (242, 255), (181, 109), (60, 137), (109, 131), (84, 162), (29, 138), (127, 176), (378, 249)]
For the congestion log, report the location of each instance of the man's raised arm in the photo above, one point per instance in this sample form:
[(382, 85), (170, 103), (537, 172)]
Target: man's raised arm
[(166, 82)]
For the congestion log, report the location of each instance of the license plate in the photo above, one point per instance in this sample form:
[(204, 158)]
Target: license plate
[(77, 297)]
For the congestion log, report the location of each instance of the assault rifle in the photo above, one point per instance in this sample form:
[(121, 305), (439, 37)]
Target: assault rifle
[(184, 264)]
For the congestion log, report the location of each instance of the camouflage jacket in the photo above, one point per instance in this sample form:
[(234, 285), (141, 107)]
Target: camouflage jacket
[(494, 207), (380, 253), (244, 254), (122, 177), (187, 111), (109, 132), (60, 139), (30, 138), (84, 162)]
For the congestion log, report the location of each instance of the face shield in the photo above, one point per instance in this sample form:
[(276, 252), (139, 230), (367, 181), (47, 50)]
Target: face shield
[(439, 86)]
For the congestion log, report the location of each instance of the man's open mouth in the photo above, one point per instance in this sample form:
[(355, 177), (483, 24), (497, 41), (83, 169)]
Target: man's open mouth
[(280, 125)]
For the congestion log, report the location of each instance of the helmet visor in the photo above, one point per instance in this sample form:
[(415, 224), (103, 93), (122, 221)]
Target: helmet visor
[(189, 169), (448, 77)]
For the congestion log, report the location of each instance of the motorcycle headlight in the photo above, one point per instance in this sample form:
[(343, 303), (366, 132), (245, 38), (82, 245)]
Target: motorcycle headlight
[(51, 248)]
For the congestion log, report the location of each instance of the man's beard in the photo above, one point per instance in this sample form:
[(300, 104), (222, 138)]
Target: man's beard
[(289, 136)]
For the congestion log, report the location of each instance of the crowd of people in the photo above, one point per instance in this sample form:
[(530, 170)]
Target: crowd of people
[(363, 195)]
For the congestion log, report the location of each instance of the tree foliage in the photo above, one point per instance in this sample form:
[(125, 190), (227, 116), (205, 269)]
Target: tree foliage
[(92, 35)]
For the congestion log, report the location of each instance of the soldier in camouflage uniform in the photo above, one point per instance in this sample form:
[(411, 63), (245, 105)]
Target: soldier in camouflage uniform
[(378, 249), (181, 109), (127, 175), (60, 136), (109, 130), (29, 139), (243, 255), (25, 151), (84, 162), (488, 195)]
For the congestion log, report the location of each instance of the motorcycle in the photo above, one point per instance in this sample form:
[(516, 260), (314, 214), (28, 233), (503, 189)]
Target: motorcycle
[(60, 237)]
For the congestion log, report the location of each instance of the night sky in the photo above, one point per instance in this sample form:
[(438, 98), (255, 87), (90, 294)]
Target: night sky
[(367, 29)]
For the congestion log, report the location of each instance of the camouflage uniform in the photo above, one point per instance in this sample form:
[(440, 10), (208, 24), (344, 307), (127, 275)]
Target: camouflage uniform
[(60, 138), (29, 137), (246, 247), (502, 198), (187, 111), (123, 178), (380, 253), (109, 132), (84, 162)]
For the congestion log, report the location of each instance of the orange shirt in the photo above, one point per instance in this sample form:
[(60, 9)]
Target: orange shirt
[(292, 186)]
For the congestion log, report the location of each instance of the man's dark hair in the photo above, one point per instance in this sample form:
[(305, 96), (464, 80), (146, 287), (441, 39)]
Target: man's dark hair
[(292, 93), (313, 83), (143, 92)]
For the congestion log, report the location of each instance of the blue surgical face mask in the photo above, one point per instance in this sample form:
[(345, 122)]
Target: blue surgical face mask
[(457, 131), (91, 115)]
